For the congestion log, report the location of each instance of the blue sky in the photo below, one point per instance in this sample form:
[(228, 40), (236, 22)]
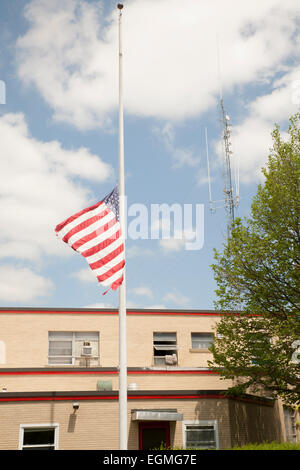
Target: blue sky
[(59, 134)]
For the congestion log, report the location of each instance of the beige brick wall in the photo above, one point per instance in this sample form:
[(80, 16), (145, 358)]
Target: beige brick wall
[(140, 332), (26, 336), (95, 425), (81, 382), (251, 423), (204, 409)]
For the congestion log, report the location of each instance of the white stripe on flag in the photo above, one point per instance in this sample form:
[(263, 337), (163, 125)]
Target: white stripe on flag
[(104, 252), (100, 238), (95, 233), (82, 218), (113, 278), (91, 228), (108, 266)]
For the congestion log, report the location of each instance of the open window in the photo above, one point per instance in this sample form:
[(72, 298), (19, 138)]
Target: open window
[(165, 349)]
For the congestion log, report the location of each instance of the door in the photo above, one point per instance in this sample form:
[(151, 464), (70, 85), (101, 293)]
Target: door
[(154, 435)]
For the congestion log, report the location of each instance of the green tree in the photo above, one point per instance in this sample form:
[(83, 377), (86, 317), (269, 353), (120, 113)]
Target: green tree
[(257, 275)]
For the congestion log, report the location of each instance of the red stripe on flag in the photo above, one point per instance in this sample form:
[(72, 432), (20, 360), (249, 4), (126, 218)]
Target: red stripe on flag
[(102, 245), (94, 234), (117, 283), (73, 217), (107, 258), (112, 271), (85, 224), (91, 234)]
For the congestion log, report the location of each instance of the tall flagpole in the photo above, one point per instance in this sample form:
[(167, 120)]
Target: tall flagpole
[(122, 288)]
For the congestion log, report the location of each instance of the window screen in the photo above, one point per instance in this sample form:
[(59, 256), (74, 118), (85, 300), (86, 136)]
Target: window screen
[(60, 347), (200, 436), (202, 340), (66, 347)]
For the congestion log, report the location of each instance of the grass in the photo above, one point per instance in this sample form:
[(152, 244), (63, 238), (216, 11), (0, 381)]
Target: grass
[(262, 446), (269, 446)]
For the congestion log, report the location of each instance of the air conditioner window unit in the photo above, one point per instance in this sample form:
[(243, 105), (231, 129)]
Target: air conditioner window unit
[(171, 359), (86, 349)]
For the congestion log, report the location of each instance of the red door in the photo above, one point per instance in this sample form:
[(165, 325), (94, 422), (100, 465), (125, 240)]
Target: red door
[(154, 435)]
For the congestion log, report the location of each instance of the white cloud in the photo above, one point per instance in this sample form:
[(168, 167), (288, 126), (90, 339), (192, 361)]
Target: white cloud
[(132, 304), (22, 284), (172, 244), (100, 305), (74, 72), (176, 298), (252, 140), (177, 241), (142, 291), (137, 251), (170, 69), (181, 156), (37, 190), (85, 275), (176, 234), (156, 307), (202, 177)]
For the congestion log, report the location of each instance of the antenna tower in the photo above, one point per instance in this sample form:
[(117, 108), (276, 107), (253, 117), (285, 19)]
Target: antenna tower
[(230, 200)]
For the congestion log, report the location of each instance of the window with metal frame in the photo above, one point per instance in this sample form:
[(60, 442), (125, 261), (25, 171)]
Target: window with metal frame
[(200, 434), (67, 347), (202, 340), (165, 348)]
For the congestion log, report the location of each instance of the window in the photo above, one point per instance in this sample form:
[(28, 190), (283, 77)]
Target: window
[(38, 437), (290, 424), (73, 348), (200, 434), (202, 340), (165, 348)]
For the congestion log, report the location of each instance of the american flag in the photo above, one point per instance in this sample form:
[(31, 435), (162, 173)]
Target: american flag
[(95, 233)]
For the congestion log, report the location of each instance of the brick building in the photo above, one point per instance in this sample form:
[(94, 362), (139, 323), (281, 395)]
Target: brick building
[(59, 383)]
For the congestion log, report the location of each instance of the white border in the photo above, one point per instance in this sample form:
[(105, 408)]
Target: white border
[(39, 425)]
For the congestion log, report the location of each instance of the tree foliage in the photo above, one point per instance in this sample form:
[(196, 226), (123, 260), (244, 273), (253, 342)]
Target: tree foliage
[(257, 274)]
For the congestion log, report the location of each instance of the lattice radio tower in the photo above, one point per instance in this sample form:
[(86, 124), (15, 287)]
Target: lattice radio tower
[(231, 198)]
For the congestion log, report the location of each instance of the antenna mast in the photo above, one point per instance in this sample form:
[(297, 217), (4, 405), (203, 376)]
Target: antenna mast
[(230, 200)]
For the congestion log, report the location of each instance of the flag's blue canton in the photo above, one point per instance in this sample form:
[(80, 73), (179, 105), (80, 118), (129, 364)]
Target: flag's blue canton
[(112, 202)]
